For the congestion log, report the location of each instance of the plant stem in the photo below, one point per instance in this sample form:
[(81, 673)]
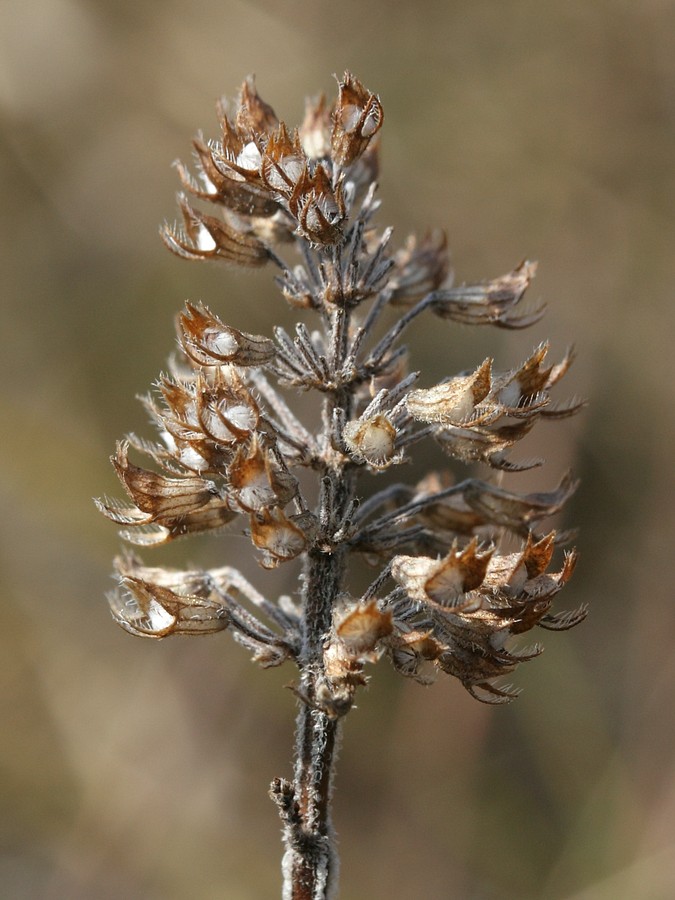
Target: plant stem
[(310, 866), (314, 863), (311, 862)]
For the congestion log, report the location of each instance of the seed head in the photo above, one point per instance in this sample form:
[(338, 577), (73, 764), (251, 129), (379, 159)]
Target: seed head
[(462, 567)]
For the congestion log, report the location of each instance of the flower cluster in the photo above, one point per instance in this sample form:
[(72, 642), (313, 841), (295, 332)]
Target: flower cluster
[(273, 185), (447, 596)]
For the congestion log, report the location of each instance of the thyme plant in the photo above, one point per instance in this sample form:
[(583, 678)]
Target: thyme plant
[(460, 568)]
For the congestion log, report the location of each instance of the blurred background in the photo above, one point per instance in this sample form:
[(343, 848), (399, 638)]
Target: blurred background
[(140, 769)]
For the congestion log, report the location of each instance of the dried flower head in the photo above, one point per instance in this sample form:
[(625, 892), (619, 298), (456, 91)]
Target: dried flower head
[(462, 569)]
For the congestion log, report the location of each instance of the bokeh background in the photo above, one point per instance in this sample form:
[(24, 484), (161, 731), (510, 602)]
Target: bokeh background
[(139, 769)]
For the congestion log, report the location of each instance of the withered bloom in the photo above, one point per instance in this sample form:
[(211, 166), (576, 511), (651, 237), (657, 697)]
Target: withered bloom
[(462, 569)]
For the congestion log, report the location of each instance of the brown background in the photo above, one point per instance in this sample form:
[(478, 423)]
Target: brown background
[(139, 770)]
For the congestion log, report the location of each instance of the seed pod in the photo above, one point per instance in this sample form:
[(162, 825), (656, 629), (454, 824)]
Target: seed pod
[(363, 626), (357, 118), (443, 581), (277, 536), (453, 402), (208, 342), (372, 440)]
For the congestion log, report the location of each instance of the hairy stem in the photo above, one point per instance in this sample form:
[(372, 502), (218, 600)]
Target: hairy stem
[(310, 867)]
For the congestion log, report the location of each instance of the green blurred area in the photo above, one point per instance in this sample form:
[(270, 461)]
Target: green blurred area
[(139, 770)]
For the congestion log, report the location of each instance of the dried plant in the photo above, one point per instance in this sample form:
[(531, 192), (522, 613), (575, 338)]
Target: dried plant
[(446, 595)]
